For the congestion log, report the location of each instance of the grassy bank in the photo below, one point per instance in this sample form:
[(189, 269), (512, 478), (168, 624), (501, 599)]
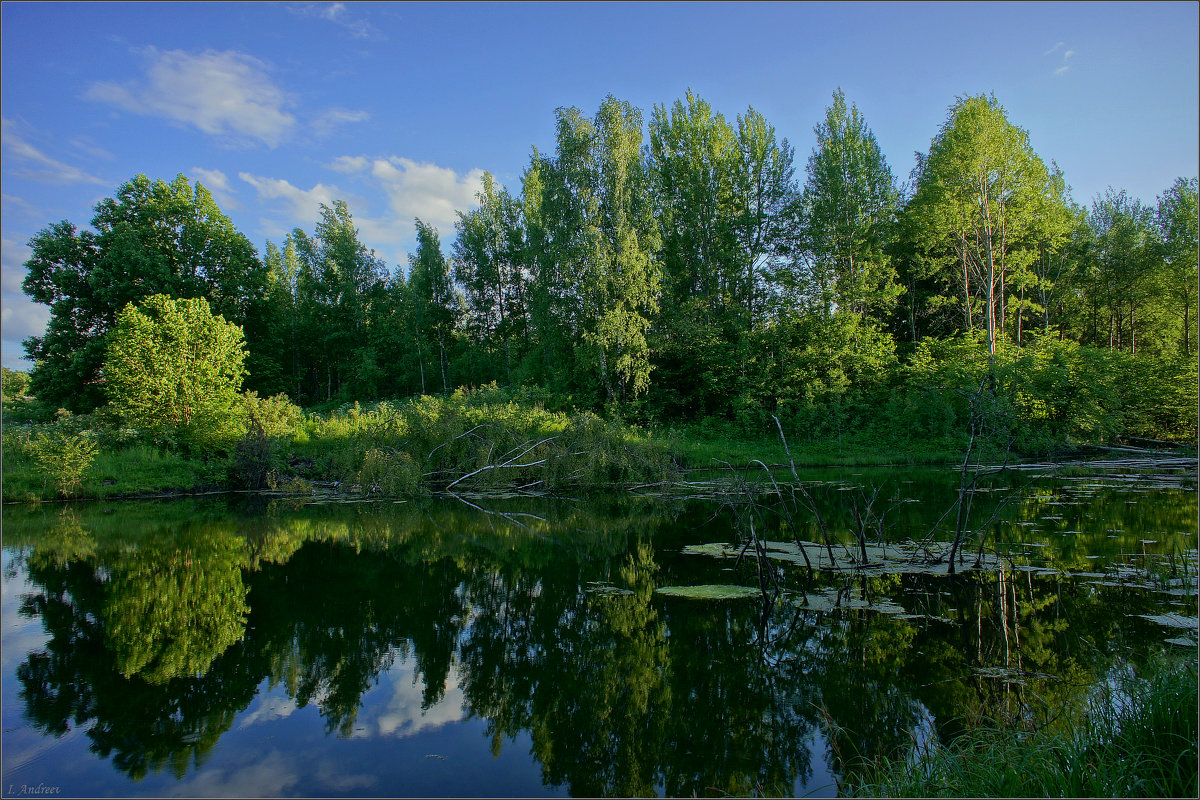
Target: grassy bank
[(483, 440), (1137, 737), (466, 442)]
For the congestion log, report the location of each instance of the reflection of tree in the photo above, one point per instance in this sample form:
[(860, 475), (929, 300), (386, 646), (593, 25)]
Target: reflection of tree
[(170, 611), (330, 646), (621, 693), (77, 680)]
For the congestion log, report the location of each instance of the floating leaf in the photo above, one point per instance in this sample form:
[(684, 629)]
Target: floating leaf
[(609, 591), (712, 591), (1172, 620)]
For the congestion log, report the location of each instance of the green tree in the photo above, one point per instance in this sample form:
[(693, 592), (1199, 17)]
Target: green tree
[(437, 306), (765, 198), (1121, 263), (174, 371), (1176, 220), (340, 285), (692, 160), (848, 208), (487, 255), (14, 382), (151, 238), (597, 278), (977, 211)]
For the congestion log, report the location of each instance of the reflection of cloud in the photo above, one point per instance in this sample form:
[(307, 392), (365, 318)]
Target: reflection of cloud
[(269, 776), (41, 167), (403, 715), (223, 93), (341, 783), (269, 708), (17, 640)]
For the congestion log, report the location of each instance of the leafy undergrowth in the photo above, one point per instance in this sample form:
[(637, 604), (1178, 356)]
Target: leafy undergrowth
[(1138, 738)]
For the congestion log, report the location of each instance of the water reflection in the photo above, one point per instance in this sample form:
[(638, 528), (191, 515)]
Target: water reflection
[(170, 625)]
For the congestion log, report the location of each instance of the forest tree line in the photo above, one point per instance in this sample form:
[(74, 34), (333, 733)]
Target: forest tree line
[(683, 275)]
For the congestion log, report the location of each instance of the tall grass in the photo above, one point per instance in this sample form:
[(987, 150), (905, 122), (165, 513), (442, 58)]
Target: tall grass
[(1138, 738), (478, 440)]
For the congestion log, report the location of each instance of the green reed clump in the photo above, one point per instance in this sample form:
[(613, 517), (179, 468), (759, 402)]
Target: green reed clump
[(1138, 737), (476, 441)]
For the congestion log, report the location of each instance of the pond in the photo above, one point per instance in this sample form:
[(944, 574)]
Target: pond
[(256, 646)]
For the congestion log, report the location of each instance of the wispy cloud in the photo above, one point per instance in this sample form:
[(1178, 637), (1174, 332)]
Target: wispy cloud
[(221, 93), (36, 165), (340, 15), (331, 119), (411, 190), (20, 317), (1062, 67), (301, 207), (217, 183), (432, 193)]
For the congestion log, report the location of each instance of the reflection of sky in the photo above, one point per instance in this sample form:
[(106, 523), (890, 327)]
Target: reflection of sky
[(402, 716), (19, 635), (276, 749)]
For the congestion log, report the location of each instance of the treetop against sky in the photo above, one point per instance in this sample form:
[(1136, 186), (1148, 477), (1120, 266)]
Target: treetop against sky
[(399, 109)]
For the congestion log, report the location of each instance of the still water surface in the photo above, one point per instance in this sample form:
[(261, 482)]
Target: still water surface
[(248, 646)]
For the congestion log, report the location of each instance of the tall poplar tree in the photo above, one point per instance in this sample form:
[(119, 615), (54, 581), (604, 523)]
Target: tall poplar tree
[(1176, 221), (848, 207), (692, 161), (437, 307), (487, 260), (597, 278), (977, 208)]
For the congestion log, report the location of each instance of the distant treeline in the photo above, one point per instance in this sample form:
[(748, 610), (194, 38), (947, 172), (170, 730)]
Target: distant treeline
[(689, 277)]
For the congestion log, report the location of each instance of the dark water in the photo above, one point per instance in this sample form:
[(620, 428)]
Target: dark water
[(251, 647)]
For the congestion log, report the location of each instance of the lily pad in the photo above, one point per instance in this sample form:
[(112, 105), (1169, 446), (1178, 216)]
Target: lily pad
[(1182, 642), (711, 591), (609, 590), (1172, 620)]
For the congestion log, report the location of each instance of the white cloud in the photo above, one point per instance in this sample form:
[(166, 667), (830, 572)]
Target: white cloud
[(332, 118), (410, 189), (20, 317), (338, 14), (426, 191), (13, 204), (303, 206), (85, 145), (348, 164), (1061, 70), (217, 182), (35, 164), (220, 93), (1052, 49), (1068, 54)]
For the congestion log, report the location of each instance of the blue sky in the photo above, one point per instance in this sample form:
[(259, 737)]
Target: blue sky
[(399, 108)]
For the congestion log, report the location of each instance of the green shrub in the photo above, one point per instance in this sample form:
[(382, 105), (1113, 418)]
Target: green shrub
[(62, 457)]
